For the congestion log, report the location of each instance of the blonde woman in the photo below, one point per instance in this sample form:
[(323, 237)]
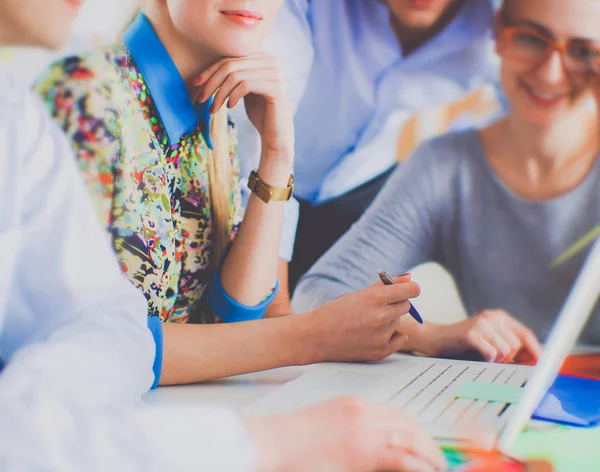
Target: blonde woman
[(148, 120)]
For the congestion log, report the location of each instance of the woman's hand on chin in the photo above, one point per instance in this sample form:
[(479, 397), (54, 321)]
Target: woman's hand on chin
[(495, 334), (260, 81)]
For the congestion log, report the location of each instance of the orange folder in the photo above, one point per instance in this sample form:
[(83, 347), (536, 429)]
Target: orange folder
[(582, 365)]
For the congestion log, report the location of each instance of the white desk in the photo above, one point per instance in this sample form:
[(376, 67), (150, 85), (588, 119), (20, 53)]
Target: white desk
[(240, 391), (237, 392)]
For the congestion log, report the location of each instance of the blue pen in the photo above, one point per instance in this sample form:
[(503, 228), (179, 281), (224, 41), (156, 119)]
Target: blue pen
[(387, 280)]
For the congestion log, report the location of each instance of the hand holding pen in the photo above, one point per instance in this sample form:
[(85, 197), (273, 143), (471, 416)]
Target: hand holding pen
[(387, 280)]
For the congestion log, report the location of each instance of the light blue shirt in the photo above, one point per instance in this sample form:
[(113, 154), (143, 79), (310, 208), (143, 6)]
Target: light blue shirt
[(357, 89)]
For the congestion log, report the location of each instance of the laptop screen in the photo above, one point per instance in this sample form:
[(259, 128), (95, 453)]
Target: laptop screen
[(572, 318)]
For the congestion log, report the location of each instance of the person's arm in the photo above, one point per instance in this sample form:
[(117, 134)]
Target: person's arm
[(399, 231), (356, 327), (281, 306), (290, 40), (249, 271)]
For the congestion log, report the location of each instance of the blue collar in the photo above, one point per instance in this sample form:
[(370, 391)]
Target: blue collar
[(178, 114)]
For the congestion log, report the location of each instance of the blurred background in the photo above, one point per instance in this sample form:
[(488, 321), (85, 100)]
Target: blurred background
[(99, 22)]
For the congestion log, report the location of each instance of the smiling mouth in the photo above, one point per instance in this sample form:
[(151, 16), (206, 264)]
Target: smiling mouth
[(544, 98), (246, 18), (422, 4)]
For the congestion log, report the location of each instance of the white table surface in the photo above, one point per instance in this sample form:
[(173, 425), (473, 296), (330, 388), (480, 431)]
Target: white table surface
[(237, 392), (242, 390)]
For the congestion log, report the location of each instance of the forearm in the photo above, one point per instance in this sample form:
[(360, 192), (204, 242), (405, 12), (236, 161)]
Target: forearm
[(249, 271), (196, 353), (281, 305)]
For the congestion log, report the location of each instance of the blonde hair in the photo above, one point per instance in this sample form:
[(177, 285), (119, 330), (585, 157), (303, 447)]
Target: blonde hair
[(219, 179)]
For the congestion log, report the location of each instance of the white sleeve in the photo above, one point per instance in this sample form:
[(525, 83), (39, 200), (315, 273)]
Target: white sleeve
[(291, 41), (77, 349)]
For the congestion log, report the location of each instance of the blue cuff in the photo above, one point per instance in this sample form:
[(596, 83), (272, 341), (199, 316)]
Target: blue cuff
[(155, 327), (230, 311)]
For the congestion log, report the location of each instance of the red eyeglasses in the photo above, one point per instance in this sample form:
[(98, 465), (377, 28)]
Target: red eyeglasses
[(527, 45)]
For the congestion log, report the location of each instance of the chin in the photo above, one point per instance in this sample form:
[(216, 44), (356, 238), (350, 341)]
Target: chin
[(540, 118), (237, 50), (420, 20)]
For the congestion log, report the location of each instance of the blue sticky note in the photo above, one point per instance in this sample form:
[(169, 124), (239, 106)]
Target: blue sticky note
[(573, 401)]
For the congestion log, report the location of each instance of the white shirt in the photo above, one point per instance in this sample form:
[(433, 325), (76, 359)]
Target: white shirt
[(354, 89), (73, 330)]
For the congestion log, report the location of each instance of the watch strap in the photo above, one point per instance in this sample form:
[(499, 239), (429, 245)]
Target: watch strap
[(268, 192)]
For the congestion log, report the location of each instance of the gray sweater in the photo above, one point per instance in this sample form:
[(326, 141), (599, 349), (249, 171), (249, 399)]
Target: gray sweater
[(446, 205)]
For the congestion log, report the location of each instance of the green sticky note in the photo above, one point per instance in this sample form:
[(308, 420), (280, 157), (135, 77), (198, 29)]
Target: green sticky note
[(569, 449), (490, 392)]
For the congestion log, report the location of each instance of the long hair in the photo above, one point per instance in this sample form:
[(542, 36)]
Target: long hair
[(219, 178)]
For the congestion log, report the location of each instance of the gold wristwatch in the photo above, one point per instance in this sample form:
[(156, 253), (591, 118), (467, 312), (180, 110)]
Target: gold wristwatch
[(267, 192)]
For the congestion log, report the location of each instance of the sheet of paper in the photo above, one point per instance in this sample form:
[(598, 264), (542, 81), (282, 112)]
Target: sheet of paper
[(490, 392)]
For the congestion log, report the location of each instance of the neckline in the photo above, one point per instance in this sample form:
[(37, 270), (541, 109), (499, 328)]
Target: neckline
[(588, 180)]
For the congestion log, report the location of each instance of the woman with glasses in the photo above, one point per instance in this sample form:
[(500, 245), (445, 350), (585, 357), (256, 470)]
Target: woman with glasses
[(495, 207)]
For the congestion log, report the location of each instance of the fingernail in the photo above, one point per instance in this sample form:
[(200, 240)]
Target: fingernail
[(212, 109), (197, 80), (405, 274)]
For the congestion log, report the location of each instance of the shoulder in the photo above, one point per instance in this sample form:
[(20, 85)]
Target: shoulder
[(94, 78)]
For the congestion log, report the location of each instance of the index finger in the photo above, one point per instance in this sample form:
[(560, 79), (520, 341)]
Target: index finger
[(209, 72), (527, 337)]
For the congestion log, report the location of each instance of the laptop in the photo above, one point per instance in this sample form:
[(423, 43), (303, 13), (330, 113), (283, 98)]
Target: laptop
[(426, 387)]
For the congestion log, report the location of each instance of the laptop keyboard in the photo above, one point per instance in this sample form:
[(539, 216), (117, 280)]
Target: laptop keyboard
[(430, 395)]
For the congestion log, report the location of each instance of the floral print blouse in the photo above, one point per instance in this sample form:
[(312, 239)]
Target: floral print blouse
[(152, 195)]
